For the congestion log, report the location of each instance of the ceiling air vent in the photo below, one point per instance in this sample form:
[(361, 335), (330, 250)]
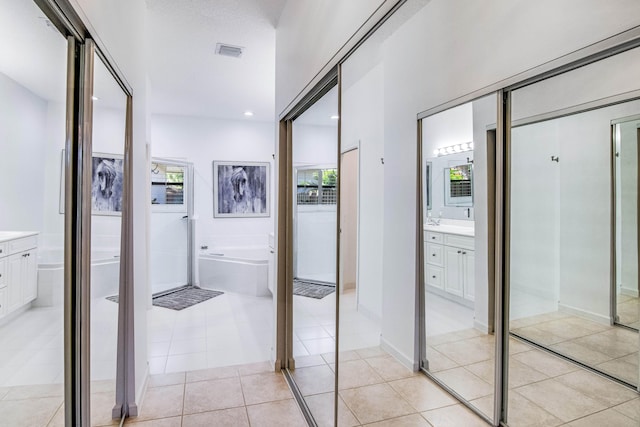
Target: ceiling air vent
[(228, 50)]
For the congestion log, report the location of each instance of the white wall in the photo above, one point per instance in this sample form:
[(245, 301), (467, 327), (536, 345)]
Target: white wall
[(448, 49), (23, 121), (301, 53), (363, 127), (535, 213), (315, 145), (201, 141)]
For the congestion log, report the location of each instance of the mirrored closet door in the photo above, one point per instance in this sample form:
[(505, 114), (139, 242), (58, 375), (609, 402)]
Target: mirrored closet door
[(458, 147), (315, 221), (573, 233)]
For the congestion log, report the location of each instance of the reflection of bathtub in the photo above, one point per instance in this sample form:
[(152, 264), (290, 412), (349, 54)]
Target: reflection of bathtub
[(237, 269), (105, 275)]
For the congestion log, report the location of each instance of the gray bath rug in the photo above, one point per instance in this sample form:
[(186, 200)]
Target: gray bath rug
[(179, 298), (312, 289)]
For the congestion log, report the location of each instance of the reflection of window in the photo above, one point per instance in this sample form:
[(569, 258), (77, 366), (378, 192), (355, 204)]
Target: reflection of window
[(167, 184), (458, 185), (460, 181), (317, 187)]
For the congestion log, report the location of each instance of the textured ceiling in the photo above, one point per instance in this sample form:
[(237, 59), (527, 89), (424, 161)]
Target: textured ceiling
[(186, 76)]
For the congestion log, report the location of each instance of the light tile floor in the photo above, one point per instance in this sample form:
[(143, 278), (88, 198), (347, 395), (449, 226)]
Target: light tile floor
[(226, 330), (463, 358), (611, 349)]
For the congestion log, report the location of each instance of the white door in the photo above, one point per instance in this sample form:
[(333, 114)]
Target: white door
[(171, 193), (453, 271), (349, 219), (14, 279), (469, 258), (29, 277)]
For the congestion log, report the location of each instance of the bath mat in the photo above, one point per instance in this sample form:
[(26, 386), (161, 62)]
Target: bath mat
[(311, 289), (179, 298)]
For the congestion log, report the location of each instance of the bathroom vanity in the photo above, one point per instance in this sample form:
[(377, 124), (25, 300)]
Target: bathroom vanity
[(18, 270), (449, 254)]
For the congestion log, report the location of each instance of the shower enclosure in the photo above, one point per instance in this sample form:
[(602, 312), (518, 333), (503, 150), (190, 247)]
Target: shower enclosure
[(172, 225)]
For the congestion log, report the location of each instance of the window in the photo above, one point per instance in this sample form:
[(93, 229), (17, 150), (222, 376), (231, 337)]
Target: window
[(167, 184), (317, 187)]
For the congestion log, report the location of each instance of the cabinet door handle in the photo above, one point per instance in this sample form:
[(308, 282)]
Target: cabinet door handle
[(459, 252), (433, 254), (433, 237), (433, 277), (464, 253)]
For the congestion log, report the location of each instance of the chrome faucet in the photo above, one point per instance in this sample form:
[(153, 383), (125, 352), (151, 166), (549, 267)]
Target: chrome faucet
[(431, 221)]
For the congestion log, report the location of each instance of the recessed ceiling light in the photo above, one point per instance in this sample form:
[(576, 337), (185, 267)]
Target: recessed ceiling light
[(248, 113), (95, 98), (335, 117)]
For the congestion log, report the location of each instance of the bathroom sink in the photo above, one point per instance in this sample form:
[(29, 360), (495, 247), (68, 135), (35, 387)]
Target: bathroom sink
[(451, 229), (9, 235)]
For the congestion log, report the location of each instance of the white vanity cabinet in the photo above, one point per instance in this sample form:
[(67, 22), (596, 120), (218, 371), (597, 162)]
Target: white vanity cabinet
[(450, 264), (18, 271)]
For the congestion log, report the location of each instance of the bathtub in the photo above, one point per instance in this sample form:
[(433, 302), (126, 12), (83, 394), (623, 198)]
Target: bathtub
[(243, 270), (105, 275)]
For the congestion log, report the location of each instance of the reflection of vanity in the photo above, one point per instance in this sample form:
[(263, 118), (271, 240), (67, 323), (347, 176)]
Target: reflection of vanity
[(450, 261), (18, 270)]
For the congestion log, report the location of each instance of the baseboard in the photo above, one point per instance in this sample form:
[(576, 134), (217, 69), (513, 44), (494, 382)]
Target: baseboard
[(629, 292), (482, 327), (409, 363), (548, 295), (447, 295), (598, 318)]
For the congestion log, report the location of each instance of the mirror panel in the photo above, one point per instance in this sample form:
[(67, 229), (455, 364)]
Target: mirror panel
[(458, 298), (108, 141), (315, 145), (33, 84), (568, 295)]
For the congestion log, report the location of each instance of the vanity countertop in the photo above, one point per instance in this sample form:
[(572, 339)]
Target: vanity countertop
[(451, 229), (11, 235)]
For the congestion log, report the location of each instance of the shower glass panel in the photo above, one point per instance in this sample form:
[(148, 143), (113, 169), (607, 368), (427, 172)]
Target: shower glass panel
[(171, 220), (457, 153), (315, 145), (568, 172), (109, 117), (33, 78)]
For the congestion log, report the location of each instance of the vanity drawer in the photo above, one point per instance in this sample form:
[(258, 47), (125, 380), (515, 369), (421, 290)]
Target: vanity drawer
[(434, 254), (463, 242), (22, 244), (433, 276), (4, 249), (433, 237)]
